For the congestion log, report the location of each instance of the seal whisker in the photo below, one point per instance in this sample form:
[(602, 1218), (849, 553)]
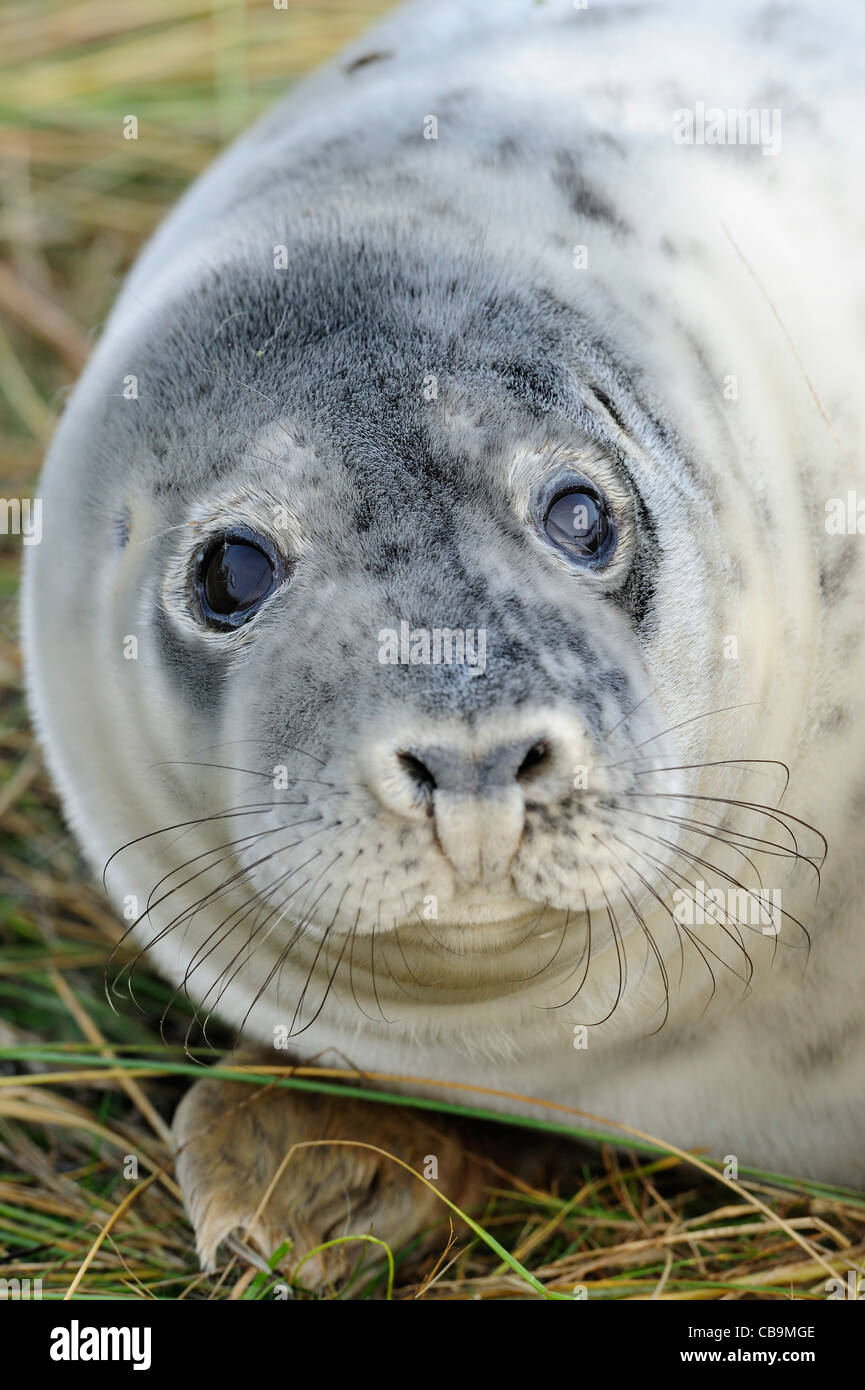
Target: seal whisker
[(179, 825), (677, 878), (254, 391), (186, 913), (717, 762), (376, 921), (548, 964), (425, 926), (665, 906), (771, 812), (293, 1032), (213, 895), (710, 835), (714, 868), (225, 979), (587, 952), (695, 718), (758, 845), (239, 874), (650, 943), (422, 984), (252, 772), (291, 748), (630, 713), (682, 927), (256, 903), (279, 910), (298, 1008), (351, 953), (300, 927), (621, 957), (199, 955)]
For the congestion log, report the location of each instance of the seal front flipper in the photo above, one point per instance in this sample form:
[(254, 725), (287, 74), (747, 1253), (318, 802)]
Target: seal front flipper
[(233, 1139)]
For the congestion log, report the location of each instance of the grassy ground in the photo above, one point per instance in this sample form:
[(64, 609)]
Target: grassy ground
[(81, 1086)]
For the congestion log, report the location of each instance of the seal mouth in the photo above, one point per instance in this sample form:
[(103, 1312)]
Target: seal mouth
[(476, 909)]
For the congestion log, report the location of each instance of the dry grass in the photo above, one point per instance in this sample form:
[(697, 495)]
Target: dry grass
[(77, 200)]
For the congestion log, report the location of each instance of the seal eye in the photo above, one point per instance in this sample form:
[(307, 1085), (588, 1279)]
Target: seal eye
[(579, 523), (234, 577)]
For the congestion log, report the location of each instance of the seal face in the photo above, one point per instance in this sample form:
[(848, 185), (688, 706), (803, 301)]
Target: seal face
[(425, 632)]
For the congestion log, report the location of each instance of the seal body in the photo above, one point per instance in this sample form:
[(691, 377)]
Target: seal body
[(459, 799)]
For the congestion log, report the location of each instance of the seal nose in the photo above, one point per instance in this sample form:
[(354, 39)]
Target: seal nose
[(477, 802), (445, 768), (475, 795)]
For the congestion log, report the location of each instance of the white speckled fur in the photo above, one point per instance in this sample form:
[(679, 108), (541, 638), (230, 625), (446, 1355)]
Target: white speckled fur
[(724, 262)]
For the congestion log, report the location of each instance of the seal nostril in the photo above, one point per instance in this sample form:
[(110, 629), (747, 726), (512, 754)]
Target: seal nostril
[(537, 755), (418, 772)]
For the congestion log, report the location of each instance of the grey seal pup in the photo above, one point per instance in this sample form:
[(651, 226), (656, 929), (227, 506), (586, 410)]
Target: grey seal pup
[(448, 623)]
